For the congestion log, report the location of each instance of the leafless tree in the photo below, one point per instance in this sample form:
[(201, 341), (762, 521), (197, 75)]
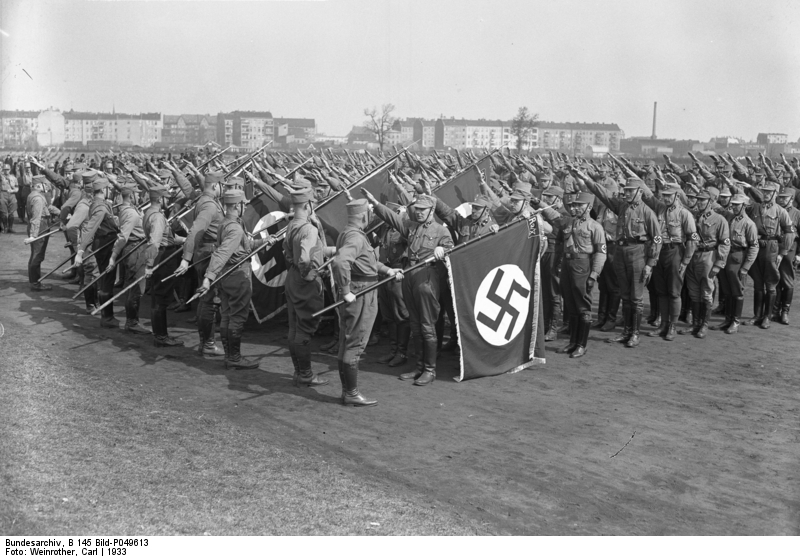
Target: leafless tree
[(380, 122), (523, 125)]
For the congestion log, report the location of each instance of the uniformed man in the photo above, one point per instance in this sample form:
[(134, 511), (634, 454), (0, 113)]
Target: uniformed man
[(426, 239), (71, 185), (24, 183), (391, 304), (710, 256), (38, 211), (129, 238), (584, 245), (74, 229), (679, 235), (8, 199), (355, 268), (785, 289), (207, 216), (638, 248), (608, 305), (742, 254), (304, 250), (232, 248), (99, 231), (776, 235), (550, 264), (161, 244)]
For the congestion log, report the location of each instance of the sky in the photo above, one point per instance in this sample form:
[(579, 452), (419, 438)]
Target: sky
[(722, 67)]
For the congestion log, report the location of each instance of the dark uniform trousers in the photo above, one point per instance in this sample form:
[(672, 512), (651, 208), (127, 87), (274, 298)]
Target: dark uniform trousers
[(550, 286), (609, 285), (134, 268), (701, 288), (667, 280), (730, 285), (628, 265), (207, 304), (90, 273), (764, 270), (445, 307), (160, 291), (105, 286), (355, 322), (393, 309), (303, 298), (786, 282), (421, 293), (574, 274), (235, 292), (38, 249)]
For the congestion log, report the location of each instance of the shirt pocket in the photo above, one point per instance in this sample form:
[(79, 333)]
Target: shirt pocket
[(674, 228), (637, 226), (770, 224), (428, 242)]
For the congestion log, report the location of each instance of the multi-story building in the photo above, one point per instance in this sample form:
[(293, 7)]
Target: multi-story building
[(576, 136), (769, 138), (295, 130), (19, 128), (50, 128), (93, 129), (189, 129), (247, 129)]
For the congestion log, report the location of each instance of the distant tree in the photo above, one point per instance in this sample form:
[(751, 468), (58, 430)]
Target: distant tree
[(523, 125), (380, 122)]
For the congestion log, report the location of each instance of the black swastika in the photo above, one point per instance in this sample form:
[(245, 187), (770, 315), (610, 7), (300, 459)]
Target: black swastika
[(503, 303)]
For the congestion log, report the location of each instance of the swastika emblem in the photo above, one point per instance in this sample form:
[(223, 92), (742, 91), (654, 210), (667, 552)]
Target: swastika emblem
[(501, 304), (264, 264)]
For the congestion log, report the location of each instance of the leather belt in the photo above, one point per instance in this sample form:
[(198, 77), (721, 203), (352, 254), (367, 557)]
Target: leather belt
[(738, 248), (671, 245), (571, 256), (629, 242), (363, 278), (705, 248), (765, 237)]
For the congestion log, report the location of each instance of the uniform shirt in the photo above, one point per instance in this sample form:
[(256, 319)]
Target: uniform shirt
[(713, 232), (770, 220), (68, 206), (233, 246), (207, 214), (157, 232), (393, 247), (608, 219), (677, 224), (304, 244), (465, 227), (500, 211), (100, 223), (584, 236), (8, 183), (37, 210), (422, 238), (744, 235), (557, 219), (77, 222), (130, 228), (636, 222), (354, 256), (794, 217), (284, 203)]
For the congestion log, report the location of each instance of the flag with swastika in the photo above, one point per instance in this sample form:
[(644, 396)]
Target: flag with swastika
[(495, 287)]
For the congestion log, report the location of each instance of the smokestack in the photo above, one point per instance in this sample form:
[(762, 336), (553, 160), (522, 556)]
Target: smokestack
[(655, 109)]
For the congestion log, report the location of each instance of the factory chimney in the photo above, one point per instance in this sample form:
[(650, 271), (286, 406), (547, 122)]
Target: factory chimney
[(655, 108)]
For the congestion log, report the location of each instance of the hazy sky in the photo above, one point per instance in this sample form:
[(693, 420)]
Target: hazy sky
[(715, 67)]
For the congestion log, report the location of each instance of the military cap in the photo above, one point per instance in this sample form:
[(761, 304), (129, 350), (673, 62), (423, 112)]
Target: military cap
[(159, 190), (424, 201), (759, 173), (236, 182), (670, 188), (790, 192), (302, 196), (212, 178), (770, 187), (554, 191), (481, 201), (522, 191), (357, 207), (127, 189), (724, 192), (100, 184), (39, 179), (713, 192), (89, 176), (634, 183), (164, 174), (723, 166), (739, 198), (300, 182), (68, 167), (233, 195), (584, 197), (703, 195)]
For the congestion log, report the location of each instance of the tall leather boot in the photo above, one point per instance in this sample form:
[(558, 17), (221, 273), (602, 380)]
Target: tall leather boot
[(663, 309), (90, 297), (738, 305), (721, 308), (306, 377), (705, 314), (636, 322), (235, 360), (653, 316), (573, 335), (695, 321), (107, 318), (223, 332), (10, 228), (784, 317), (351, 395), (601, 310), (726, 323), (769, 301), (584, 325), (403, 336), (552, 331), (611, 313), (204, 333), (393, 351), (626, 325), (132, 324), (758, 309), (158, 319), (429, 363)]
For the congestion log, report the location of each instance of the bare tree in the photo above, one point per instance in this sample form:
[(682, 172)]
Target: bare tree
[(380, 122), (523, 125)]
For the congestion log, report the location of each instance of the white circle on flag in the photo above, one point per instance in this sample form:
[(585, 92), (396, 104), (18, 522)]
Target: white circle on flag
[(259, 270), (501, 304)]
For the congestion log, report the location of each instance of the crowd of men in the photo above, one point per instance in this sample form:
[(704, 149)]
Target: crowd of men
[(684, 234)]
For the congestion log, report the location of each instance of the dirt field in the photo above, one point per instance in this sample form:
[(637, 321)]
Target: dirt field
[(103, 433)]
